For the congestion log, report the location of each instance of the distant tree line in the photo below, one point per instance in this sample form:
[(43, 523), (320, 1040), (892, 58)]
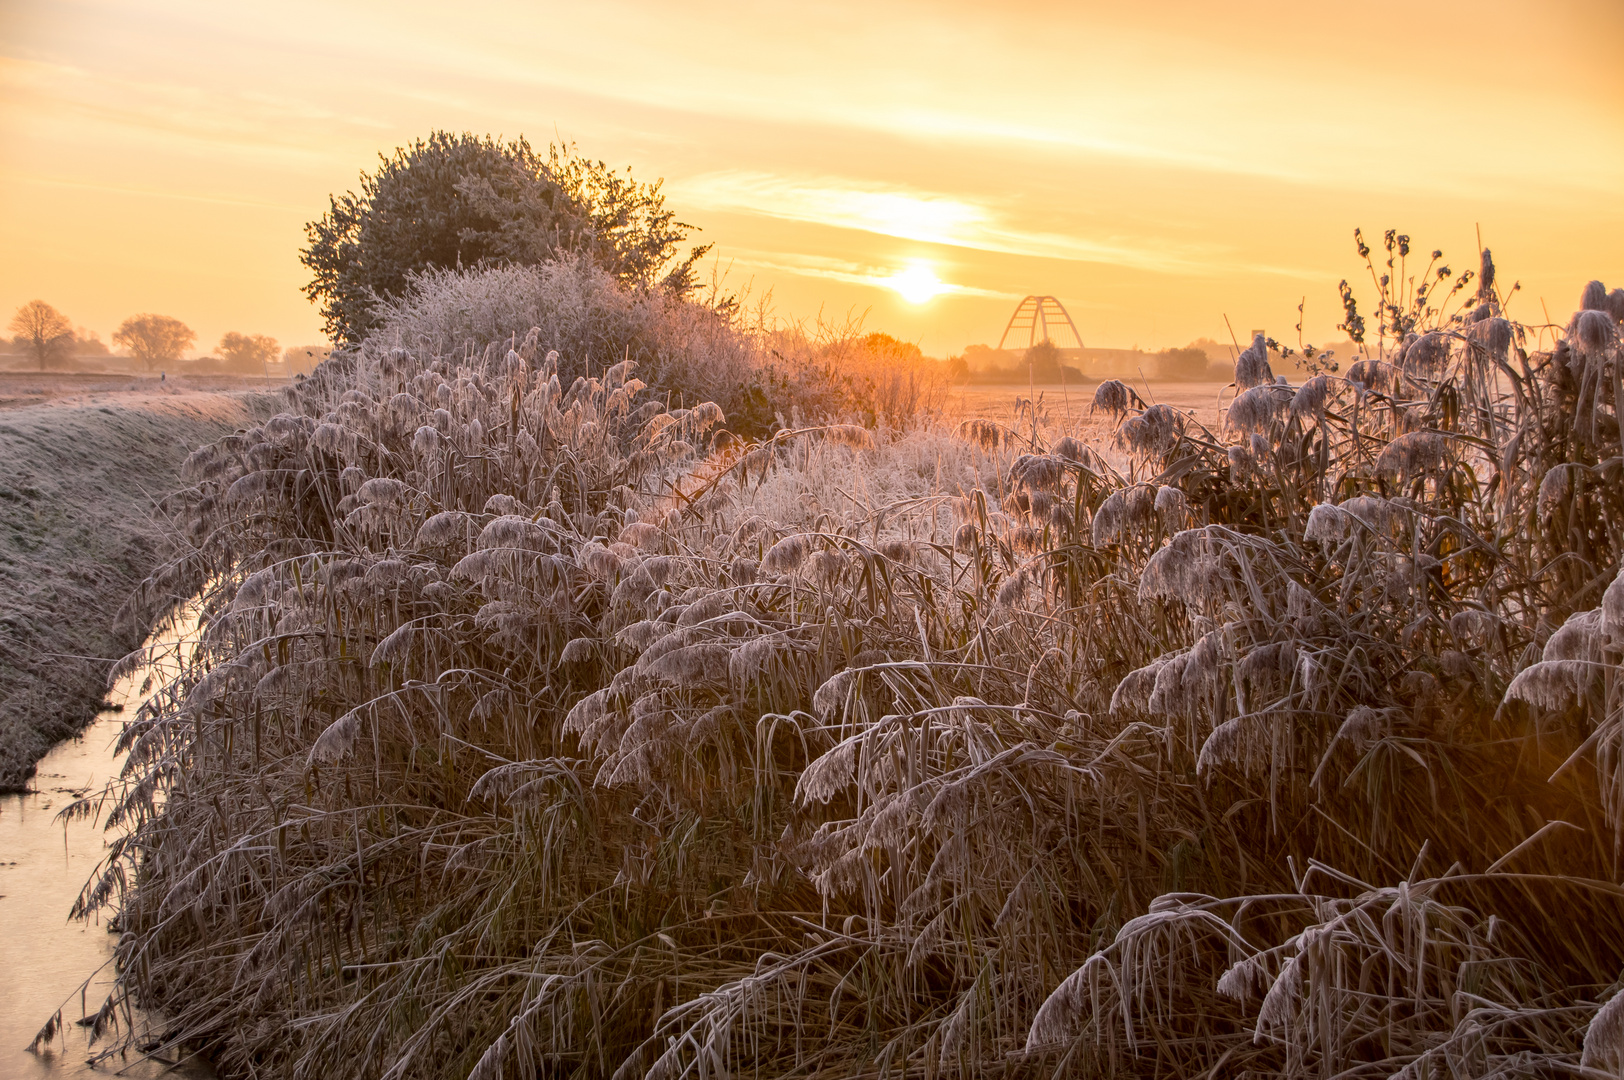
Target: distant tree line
[(48, 338)]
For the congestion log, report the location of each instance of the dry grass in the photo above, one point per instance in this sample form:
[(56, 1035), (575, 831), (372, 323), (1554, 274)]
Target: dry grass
[(537, 729)]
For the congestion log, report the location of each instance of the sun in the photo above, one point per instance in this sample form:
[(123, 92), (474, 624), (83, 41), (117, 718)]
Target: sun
[(917, 284)]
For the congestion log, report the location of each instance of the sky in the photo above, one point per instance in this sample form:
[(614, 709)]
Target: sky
[(1159, 167)]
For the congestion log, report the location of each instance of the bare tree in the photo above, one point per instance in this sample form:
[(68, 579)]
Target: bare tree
[(247, 352), (44, 331), (153, 339)]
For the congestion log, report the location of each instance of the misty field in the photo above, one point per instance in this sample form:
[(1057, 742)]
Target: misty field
[(542, 725)]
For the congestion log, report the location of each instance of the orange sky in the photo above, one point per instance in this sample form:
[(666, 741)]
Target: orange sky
[(1156, 166)]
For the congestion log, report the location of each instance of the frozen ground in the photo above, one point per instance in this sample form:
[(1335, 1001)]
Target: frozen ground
[(79, 476)]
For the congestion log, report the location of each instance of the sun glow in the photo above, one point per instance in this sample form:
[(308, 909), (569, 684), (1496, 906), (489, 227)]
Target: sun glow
[(917, 284)]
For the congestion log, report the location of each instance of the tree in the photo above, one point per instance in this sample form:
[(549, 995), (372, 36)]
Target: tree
[(1043, 362), (1188, 364), (461, 201), (247, 352), (88, 343), (154, 339), (44, 331)]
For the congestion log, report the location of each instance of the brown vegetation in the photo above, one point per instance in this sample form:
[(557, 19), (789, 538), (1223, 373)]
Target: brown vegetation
[(537, 727)]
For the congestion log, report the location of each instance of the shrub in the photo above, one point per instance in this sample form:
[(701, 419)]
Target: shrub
[(459, 201), (535, 728), (763, 376)]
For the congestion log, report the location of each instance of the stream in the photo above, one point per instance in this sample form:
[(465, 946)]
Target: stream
[(44, 957)]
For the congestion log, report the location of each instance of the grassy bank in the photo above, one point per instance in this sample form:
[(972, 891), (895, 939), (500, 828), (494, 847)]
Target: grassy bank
[(539, 727), (79, 479)]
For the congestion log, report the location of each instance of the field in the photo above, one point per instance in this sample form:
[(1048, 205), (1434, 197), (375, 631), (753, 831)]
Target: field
[(22, 388), (548, 718), (80, 475), (1068, 410), (1071, 406)]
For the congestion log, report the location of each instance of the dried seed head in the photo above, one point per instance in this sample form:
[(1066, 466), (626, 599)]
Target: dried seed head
[(449, 527), (384, 491), (1112, 397), (1070, 449), (826, 566), (1551, 685), (1363, 728), (786, 556), (1604, 1040), (831, 773), (1171, 505), (1592, 331), (1013, 589), (1309, 401), (516, 533), (1419, 453), (645, 535), (1244, 742), (1036, 472), (855, 436), (1581, 637), (339, 738), (599, 561), (288, 431), (1255, 409), (1252, 366), (1246, 980), (707, 415), (1427, 356), (1041, 506), (750, 660), (1612, 609), (1594, 297), (833, 693), (1154, 431), (328, 438), (1473, 626), (1109, 519), (1186, 569), (1493, 336), (1370, 375), (1554, 488), (1241, 463), (983, 433), (1134, 691)]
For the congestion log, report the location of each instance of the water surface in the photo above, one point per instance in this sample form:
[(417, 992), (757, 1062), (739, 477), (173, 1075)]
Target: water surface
[(45, 958)]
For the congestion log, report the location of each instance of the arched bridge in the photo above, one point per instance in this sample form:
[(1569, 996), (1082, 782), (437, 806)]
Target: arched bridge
[(1036, 317)]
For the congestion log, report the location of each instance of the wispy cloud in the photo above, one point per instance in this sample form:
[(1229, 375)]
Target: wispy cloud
[(249, 121), (924, 216), (850, 273)]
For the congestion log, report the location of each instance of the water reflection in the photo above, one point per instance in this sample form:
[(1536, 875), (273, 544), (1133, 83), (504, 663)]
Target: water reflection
[(45, 958)]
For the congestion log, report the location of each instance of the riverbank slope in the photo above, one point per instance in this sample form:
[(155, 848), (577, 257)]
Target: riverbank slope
[(78, 480)]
